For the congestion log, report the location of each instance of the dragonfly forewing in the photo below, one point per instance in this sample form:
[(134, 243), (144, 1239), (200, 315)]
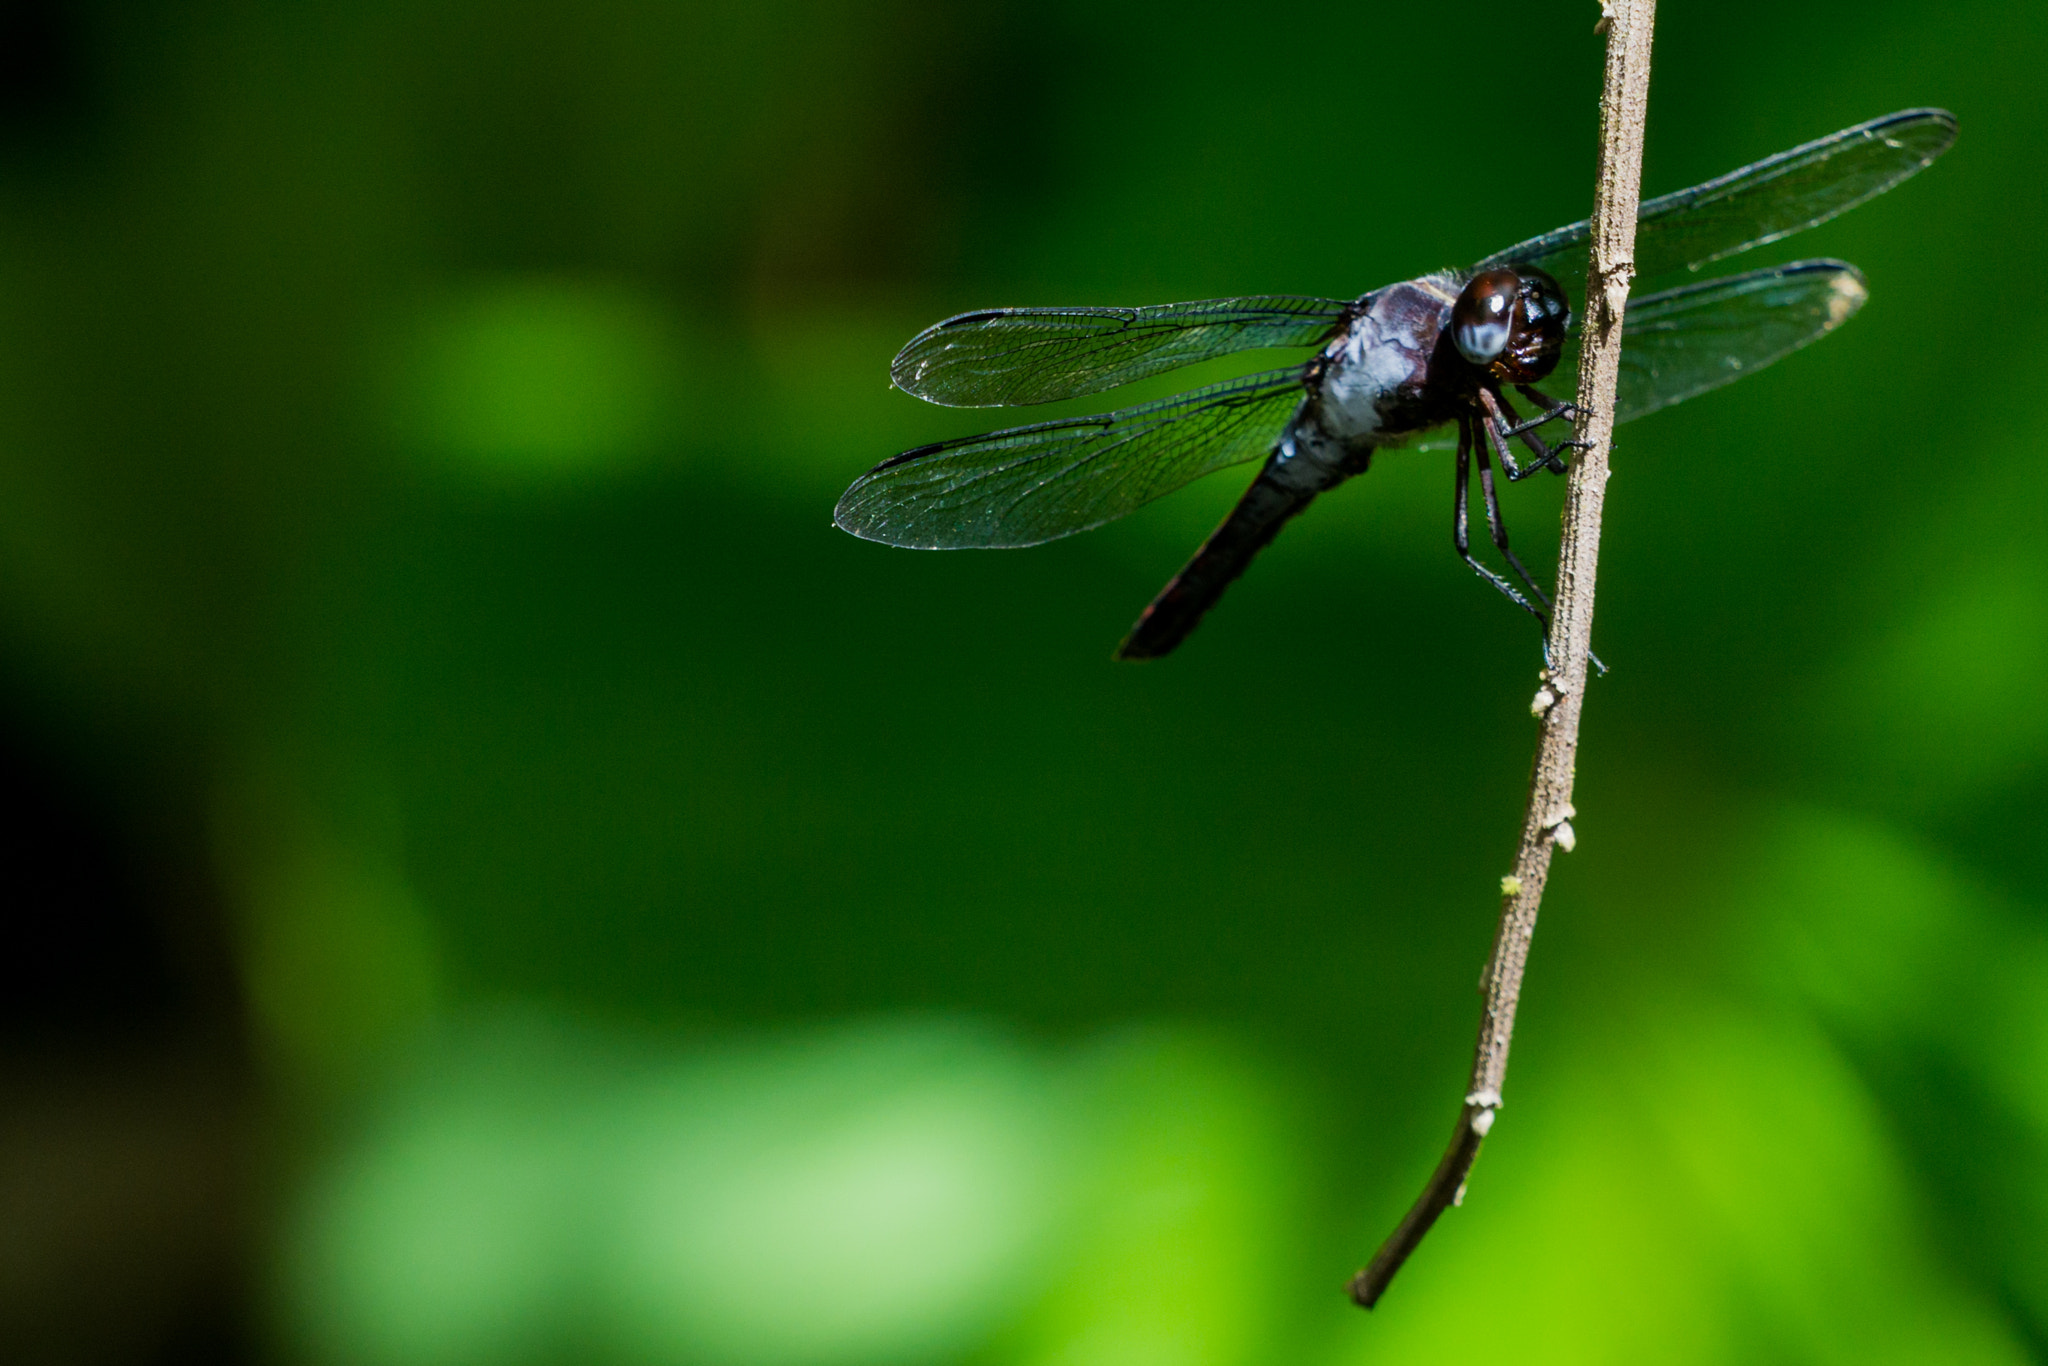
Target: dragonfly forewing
[(1760, 203), (1003, 357)]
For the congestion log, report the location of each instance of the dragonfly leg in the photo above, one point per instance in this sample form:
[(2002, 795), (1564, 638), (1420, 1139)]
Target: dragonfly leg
[(1467, 441), (1499, 531), (1500, 539), (1547, 456), (1495, 422), (1460, 525), (1552, 409)]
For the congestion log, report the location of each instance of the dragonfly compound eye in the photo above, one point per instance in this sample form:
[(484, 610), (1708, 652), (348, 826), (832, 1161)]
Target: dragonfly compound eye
[(1542, 317), (1483, 318)]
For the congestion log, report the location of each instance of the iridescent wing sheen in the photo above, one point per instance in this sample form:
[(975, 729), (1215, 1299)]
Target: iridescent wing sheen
[(1007, 356), (1031, 484), (1763, 202)]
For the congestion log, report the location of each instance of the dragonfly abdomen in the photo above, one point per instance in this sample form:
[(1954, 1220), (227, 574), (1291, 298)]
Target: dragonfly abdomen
[(1289, 482)]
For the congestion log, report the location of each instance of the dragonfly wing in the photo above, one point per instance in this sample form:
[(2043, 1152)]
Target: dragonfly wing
[(1036, 355), (1763, 202), (1032, 484), (1686, 341)]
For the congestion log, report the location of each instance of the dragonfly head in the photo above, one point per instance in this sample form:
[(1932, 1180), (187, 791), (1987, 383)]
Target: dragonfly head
[(1511, 323)]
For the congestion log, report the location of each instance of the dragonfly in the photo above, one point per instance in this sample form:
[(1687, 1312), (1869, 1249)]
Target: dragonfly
[(1422, 356)]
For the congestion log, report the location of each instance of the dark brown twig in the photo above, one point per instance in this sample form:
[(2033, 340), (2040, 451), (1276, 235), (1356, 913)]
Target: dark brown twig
[(1547, 823)]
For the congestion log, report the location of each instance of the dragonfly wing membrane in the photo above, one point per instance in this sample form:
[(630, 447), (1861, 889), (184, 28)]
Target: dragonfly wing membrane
[(1033, 484), (1683, 342), (1008, 356), (1760, 203)]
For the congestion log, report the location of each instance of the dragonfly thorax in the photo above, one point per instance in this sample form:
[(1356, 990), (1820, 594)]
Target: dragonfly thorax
[(1376, 387)]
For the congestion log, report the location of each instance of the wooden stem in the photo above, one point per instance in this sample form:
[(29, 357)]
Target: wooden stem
[(1548, 820)]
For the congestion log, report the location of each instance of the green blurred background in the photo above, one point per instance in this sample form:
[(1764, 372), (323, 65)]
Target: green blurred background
[(504, 881)]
